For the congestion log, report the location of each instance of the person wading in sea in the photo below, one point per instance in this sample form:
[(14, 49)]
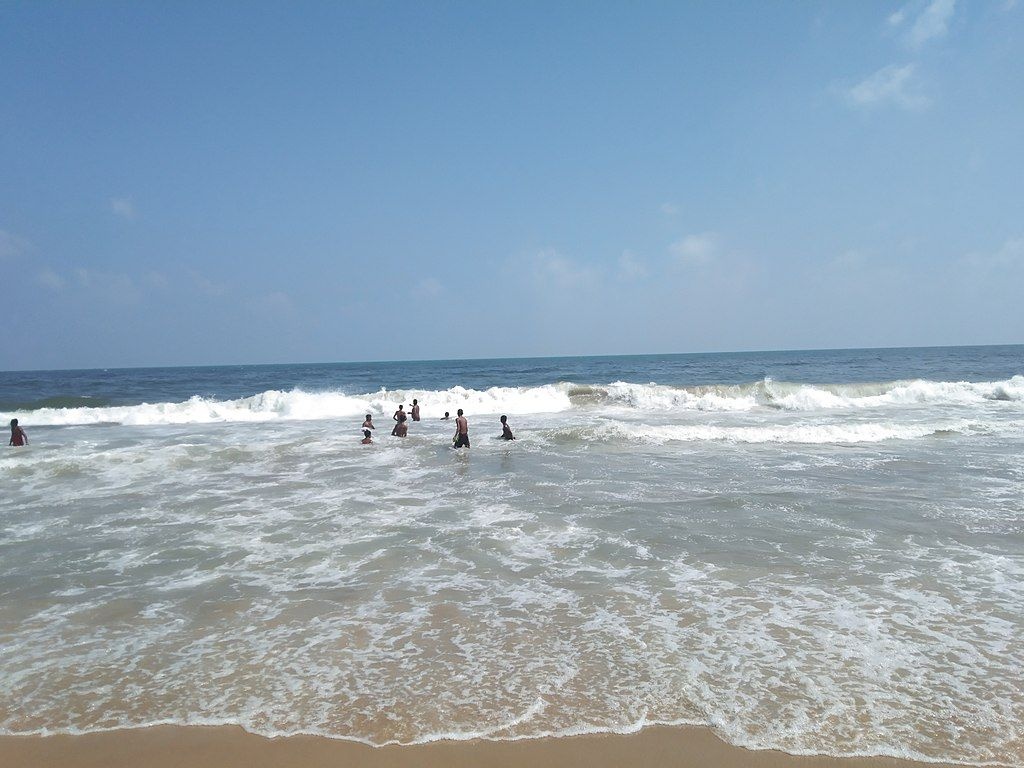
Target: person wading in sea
[(18, 436), (415, 409), (401, 428), (461, 439), (506, 430)]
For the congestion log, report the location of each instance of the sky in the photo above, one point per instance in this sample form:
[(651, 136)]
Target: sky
[(196, 183)]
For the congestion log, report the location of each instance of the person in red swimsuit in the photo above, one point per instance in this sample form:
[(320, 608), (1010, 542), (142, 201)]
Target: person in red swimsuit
[(18, 436)]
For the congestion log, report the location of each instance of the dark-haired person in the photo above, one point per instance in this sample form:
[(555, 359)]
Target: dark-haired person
[(461, 439), (415, 409), (18, 436), (401, 428), (367, 437), (368, 424), (446, 416), (506, 431)]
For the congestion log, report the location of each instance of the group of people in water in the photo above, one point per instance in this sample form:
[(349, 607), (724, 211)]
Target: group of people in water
[(401, 429), (401, 417)]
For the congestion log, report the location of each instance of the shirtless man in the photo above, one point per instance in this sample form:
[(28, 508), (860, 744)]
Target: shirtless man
[(367, 437), (415, 409), (401, 428), (461, 439), (368, 424), (506, 430)]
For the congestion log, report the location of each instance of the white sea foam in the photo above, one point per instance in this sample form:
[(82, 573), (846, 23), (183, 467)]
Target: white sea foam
[(812, 569), (552, 398)]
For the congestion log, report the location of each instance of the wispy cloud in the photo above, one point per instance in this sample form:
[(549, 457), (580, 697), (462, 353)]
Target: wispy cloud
[(632, 266), (50, 280), (1010, 255), (891, 85), (669, 209), (206, 286), (428, 288), (276, 302), (549, 266), (11, 245), (897, 17), (696, 249), (123, 207), (932, 23)]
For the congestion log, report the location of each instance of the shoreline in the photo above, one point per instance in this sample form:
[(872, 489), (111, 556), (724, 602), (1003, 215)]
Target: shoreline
[(175, 746)]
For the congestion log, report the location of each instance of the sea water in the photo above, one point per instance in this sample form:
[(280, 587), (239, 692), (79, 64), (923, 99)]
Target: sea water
[(818, 552)]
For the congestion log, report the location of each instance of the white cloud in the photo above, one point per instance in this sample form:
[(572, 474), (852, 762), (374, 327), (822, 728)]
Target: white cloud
[(632, 266), (889, 85), (932, 24), (116, 287), (123, 207), (206, 286), (11, 245), (277, 302), (852, 259), (50, 279), (428, 288), (897, 17), (696, 249), (551, 267), (156, 280), (1010, 255)]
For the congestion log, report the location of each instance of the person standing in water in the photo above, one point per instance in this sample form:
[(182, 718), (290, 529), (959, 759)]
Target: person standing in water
[(461, 439), (506, 431), (368, 424), (415, 409), (367, 437), (445, 417), (401, 428), (18, 436)]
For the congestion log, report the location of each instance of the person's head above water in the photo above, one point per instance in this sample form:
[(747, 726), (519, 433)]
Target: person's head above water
[(366, 433), (503, 419), (14, 422), (414, 401), (460, 411), (400, 407), (446, 414), (369, 416)]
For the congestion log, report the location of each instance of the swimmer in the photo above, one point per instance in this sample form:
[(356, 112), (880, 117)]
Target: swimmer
[(367, 437), (415, 409), (401, 428), (18, 436), (461, 439), (445, 417), (506, 431), (368, 424)]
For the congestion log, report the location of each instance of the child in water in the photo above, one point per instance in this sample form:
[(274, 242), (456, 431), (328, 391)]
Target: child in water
[(18, 436), (506, 431), (367, 438)]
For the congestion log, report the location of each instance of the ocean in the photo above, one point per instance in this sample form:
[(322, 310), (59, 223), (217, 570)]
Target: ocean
[(817, 551)]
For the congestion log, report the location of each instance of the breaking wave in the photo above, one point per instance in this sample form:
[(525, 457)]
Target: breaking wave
[(550, 398)]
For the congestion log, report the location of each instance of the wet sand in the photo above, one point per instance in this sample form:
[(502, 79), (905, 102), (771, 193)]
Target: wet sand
[(231, 747)]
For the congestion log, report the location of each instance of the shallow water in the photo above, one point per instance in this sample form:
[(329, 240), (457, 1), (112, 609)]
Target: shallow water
[(830, 561)]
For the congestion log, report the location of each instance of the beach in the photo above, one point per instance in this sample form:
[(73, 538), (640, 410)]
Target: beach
[(735, 557), (225, 747)]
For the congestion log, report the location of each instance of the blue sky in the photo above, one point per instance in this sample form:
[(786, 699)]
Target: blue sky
[(204, 183)]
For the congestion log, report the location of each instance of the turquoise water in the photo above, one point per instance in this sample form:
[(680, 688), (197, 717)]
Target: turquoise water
[(811, 551)]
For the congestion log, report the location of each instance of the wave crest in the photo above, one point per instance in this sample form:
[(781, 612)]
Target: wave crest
[(549, 398)]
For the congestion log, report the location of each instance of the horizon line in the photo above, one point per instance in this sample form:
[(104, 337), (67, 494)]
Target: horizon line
[(487, 359)]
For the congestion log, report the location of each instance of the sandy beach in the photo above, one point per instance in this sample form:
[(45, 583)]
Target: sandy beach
[(230, 747)]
